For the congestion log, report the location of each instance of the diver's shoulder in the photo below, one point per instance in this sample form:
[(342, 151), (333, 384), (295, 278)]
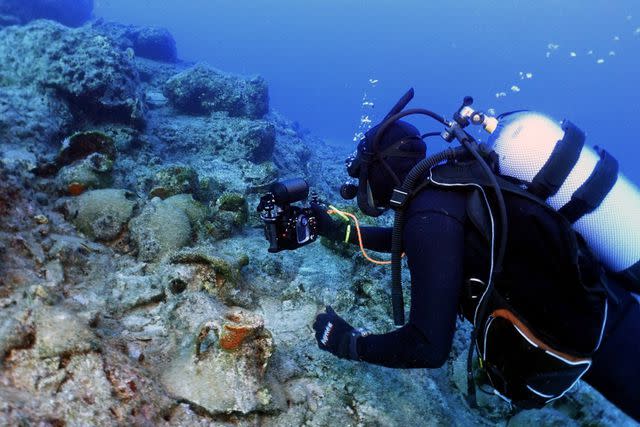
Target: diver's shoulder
[(432, 198)]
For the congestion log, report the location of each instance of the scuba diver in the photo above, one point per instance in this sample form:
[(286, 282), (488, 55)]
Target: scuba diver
[(547, 306)]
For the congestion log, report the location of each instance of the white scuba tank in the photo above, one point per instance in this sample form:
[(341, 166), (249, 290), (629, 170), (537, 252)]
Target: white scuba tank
[(525, 142)]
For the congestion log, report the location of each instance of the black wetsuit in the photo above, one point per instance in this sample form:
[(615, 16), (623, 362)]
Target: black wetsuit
[(434, 242)]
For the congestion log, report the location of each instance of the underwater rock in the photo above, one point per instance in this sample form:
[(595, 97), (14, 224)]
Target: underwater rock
[(203, 90), (548, 417), (98, 81), (228, 138), (219, 380), (291, 153), (230, 214), (130, 291), (94, 146), (172, 180), (68, 12), (216, 275), (155, 43), (148, 42), (102, 214), (237, 139), (90, 173), (82, 144), (84, 162), (30, 119), (159, 230), (60, 333)]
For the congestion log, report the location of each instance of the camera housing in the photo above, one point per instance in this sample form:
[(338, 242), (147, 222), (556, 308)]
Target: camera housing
[(286, 226)]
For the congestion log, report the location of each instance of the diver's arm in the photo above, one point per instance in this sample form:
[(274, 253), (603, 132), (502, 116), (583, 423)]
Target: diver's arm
[(373, 238), (434, 244)]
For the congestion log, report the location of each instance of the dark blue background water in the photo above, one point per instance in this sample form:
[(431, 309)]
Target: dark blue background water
[(318, 56)]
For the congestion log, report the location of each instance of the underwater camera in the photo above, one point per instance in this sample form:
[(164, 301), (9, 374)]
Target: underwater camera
[(286, 226)]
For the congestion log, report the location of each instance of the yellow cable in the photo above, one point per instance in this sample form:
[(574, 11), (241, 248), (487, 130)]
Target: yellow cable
[(346, 215)]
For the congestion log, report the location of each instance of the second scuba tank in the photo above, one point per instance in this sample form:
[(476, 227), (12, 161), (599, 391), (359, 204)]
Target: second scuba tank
[(580, 182)]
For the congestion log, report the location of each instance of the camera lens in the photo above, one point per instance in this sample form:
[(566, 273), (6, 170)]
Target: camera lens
[(290, 191)]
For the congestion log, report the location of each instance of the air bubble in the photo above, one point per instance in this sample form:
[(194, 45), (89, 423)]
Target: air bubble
[(600, 61), (515, 88)]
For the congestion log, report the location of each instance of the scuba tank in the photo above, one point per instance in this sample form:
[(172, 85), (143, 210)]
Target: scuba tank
[(581, 182)]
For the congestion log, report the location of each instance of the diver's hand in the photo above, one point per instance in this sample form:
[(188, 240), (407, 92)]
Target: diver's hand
[(335, 335), (332, 229)]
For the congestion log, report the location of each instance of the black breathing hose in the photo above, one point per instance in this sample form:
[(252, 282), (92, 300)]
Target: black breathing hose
[(408, 185), (397, 300)]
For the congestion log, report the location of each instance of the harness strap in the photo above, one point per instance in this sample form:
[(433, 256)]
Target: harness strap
[(558, 166), (593, 191)]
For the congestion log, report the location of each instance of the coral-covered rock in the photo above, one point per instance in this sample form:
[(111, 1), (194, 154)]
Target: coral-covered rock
[(172, 180), (83, 144), (68, 12), (203, 90), (31, 119), (147, 42), (231, 139), (87, 174), (102, 214), (155, 43), (214, 274), (229, 215), (98, 81), (160, 229)]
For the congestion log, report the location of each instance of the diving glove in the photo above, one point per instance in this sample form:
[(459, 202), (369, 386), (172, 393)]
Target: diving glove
[(332, 229), (335, 335)]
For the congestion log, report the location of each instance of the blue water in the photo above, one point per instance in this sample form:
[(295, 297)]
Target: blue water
[(319, 57)]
